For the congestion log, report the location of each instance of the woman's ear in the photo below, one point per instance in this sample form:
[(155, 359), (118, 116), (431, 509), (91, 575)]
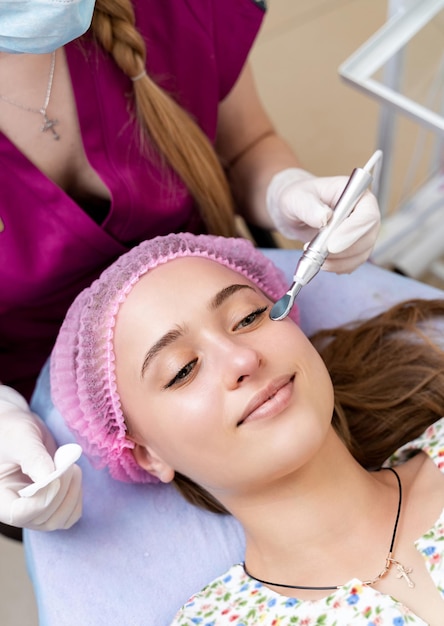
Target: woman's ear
[(153, 463)]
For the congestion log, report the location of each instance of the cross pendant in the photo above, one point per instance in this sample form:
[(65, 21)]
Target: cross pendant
[(403, 572), (49, 125)]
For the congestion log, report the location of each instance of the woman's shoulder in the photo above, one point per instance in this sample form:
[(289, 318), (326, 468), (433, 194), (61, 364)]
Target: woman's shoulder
[(217, 35), (214, 599), (207, 602), (231, 598), (202, 9), (431, 442)]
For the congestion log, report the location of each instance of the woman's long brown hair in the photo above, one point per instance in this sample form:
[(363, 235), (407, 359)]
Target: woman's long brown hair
[(388, 377), (177, 138)]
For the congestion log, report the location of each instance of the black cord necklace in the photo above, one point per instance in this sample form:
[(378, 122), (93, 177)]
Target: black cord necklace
[(403, 572)]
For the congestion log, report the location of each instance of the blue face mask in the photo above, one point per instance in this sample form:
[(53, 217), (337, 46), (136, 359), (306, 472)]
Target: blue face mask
[(39, 26)]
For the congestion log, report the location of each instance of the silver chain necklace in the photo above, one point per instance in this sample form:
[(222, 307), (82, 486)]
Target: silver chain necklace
[(48, 124)]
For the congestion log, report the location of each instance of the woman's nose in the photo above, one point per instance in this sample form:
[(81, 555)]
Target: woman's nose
[(240, 362)]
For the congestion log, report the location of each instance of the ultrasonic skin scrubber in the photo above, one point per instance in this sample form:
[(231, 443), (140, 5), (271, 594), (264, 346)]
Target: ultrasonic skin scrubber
[(316, 251)]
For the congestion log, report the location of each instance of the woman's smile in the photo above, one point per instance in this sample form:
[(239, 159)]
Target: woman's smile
[(269, 402)]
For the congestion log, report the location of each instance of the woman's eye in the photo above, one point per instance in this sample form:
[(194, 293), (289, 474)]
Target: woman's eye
[(182, 374), (251, 318)]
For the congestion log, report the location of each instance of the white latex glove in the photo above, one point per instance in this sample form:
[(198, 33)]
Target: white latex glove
[(300, 204), (25, 453)]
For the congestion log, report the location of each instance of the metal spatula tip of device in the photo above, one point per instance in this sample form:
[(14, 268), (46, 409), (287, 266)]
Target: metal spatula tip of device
[(283, 306)]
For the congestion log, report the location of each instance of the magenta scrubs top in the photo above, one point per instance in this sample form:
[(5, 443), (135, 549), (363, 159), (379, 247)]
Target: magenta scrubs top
[(50, 249)]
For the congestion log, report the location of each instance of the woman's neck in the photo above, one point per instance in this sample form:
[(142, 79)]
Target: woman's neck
[(308, 528)]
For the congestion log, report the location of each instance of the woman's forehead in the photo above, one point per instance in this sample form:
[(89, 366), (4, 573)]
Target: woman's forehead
[(170, 288), (190, 272)]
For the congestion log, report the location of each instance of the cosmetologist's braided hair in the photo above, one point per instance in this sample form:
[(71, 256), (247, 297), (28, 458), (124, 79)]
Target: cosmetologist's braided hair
[(176, 137)]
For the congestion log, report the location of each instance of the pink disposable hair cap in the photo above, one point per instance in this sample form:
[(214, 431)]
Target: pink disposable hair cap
[(83, 380)]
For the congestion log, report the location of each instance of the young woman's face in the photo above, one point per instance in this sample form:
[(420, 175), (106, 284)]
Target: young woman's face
[(210, 386)]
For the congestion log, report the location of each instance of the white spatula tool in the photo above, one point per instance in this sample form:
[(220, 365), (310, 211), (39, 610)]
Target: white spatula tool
[(64, 457)]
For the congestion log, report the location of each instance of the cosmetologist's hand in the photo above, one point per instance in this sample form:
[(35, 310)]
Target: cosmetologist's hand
[(300, 204), (25, 455)]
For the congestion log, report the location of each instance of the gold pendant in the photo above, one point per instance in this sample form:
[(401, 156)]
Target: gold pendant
[(403, 572)]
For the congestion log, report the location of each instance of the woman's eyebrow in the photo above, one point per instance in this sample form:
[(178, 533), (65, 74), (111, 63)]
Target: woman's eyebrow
[(166, 339), (171, 336), (225, 293)]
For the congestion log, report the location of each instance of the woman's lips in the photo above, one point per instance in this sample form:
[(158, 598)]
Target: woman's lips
[(270, 401)]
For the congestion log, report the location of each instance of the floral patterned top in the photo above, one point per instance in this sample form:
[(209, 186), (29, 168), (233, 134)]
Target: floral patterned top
[(235, 599)]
